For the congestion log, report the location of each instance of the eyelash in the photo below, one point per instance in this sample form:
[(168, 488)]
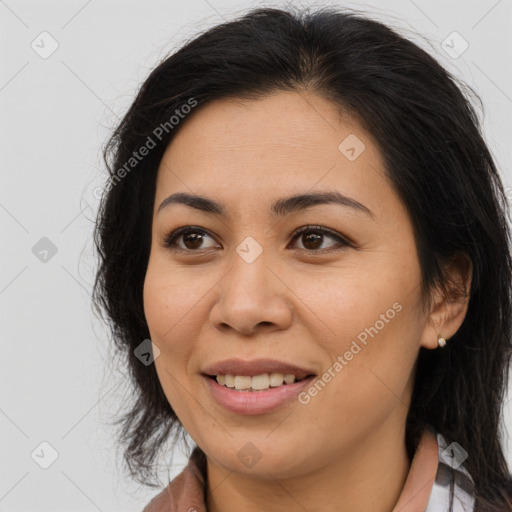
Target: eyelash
[(170, 240)]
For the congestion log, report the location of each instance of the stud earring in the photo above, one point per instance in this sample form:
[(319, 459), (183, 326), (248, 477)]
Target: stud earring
[(441, 341)]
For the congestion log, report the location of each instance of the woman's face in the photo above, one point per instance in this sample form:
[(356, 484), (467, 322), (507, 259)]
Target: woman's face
[(342, 304)]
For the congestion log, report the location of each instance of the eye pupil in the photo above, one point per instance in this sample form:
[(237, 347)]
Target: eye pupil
[(314, 238), (188, 239), (196, 240)]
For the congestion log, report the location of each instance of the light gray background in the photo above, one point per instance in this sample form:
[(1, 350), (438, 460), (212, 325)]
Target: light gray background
[(56, 382)]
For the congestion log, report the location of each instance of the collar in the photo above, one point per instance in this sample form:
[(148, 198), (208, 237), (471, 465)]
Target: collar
[(426, 488)]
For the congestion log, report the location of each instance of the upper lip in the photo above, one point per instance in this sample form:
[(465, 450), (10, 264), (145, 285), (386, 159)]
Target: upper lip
[(256, 367)]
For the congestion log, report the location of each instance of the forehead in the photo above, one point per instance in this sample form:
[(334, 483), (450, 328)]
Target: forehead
[(284, 125), (286, 141)]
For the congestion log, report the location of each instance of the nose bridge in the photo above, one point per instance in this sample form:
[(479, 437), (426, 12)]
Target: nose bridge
[(250, 294), (249, 275)]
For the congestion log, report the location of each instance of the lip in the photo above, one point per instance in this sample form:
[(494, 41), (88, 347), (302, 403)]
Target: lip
[(255, 402), (256, 367)]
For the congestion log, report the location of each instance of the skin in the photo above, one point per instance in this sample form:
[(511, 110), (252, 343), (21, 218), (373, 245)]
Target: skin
[(298, 302)]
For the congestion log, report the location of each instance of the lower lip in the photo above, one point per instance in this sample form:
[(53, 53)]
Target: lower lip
[(255, 402)]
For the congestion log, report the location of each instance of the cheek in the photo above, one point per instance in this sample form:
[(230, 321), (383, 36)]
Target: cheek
[(165, 310), (352, 301), (168, 313), (171, 302), (369, 321)]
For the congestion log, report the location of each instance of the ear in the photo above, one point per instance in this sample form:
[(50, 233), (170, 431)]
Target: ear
[(449, 303)]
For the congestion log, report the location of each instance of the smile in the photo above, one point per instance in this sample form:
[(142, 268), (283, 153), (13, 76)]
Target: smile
[(248, 400)]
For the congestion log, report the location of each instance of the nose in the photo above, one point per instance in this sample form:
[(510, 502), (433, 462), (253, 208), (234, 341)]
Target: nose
[(251, 297)]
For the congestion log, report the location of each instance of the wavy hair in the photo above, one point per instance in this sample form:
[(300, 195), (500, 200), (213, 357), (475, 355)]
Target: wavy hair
[(429, 134)]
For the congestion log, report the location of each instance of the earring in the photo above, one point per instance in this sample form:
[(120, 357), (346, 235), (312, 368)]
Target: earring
[(441, 341)]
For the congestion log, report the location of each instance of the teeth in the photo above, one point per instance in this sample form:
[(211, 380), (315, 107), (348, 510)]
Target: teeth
[(276, 379), (289, 379), (256, 383), (261, 381), (243, 382)]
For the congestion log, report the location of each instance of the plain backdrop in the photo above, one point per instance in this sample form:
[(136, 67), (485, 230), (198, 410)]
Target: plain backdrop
[(58, 385)]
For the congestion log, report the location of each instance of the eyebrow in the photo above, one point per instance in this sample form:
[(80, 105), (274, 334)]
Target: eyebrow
[(279, 208)]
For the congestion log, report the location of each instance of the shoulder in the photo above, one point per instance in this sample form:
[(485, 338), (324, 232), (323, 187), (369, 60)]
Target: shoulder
[(185, 492), (160, 503), (452, 476)]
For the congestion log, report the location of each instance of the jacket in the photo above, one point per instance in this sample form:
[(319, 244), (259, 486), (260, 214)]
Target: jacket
[(435, 464)]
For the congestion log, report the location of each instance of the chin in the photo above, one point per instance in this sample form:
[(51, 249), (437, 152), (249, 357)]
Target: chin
[(260, 458)]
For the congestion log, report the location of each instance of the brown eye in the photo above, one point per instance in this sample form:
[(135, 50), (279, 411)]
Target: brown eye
[(191, 238), (313, 236)]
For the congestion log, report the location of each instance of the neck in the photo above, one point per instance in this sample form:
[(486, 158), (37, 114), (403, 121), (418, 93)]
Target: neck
[(368, 477)]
